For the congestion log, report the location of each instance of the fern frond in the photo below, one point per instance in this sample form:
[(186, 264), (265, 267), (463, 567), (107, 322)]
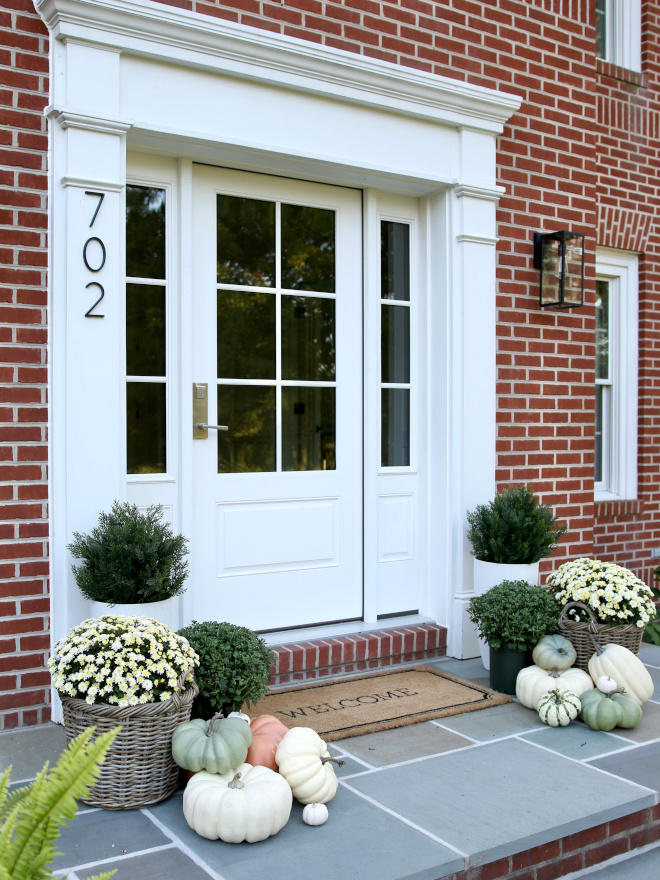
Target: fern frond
[(49, 802)]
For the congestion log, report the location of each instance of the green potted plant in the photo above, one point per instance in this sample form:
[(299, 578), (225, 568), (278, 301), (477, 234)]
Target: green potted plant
[(234, 666), (512, 617), (132, 563), (509, 536)]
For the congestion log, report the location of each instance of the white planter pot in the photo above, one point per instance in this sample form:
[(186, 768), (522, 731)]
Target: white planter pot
[(489, 574), (164, 612)]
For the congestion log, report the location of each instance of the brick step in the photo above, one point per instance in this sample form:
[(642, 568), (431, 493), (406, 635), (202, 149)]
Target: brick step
[(349, 654), (574, 853)]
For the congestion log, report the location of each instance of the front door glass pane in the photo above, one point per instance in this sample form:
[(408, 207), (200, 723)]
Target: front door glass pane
[(246, 334), (145, 232), (395, 343), (249, 445), (308, 338), (145, 422), (308, 429), (308, 248), (145, 330), (395, 437), (394, 261), (246, 241)]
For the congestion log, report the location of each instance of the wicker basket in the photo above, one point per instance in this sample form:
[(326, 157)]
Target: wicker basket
[(582, 635), (139, 769)]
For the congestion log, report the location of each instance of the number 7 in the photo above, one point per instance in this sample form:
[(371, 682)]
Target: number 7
[(98, 207)]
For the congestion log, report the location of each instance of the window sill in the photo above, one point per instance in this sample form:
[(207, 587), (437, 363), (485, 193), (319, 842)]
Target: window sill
[(614, 71), (617, 507)]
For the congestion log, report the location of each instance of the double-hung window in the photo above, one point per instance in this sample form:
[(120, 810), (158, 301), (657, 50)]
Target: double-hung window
[(619, 32), (615, 467)]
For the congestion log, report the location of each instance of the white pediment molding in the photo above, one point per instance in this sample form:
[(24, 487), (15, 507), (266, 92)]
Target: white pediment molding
[(178, 36)]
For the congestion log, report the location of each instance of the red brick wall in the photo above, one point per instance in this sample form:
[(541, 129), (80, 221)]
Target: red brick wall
[(548, 160), (24, 603)]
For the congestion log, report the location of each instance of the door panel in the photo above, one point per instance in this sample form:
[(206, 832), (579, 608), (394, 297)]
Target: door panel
[(277, 269)]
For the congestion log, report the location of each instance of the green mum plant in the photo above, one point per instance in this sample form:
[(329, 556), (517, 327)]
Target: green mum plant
[(514, 615), (234, 666), (130, 557), (615, 595), (514, 528), (30, 817)]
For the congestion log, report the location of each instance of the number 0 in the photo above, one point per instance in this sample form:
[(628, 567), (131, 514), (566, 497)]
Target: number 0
[(98, 268)]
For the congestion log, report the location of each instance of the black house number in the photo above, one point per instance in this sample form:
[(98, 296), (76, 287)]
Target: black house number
[(94, 263)]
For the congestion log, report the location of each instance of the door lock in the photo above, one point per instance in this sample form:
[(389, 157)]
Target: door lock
[(201, 412)]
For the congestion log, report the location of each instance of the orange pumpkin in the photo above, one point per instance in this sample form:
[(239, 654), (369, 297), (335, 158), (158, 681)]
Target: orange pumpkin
[(267, 732)]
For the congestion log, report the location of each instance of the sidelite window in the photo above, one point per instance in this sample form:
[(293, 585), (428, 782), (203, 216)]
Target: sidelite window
[(395, 343), (615, 452), (276, 336), (146, 350)]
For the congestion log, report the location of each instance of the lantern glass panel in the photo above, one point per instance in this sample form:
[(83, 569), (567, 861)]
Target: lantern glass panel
[(573, 250), (551, 272)]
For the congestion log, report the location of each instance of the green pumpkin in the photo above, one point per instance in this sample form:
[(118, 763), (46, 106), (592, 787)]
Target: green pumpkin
[(216, 745), (604, 712)]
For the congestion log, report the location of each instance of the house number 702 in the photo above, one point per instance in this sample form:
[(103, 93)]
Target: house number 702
[(93, 267)]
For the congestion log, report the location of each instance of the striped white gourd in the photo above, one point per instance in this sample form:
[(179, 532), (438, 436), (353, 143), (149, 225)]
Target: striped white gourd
[(559, 707)]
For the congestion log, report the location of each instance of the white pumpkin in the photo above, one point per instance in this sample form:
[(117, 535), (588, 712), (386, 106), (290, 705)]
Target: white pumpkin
[(559, 707), (533, 682), (248, 803), (315, 814), (606, 685), (554, 652), (625, 668), (305, 762), (240, 715)]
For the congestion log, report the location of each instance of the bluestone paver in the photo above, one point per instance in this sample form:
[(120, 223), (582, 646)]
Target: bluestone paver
[(643, 866), (166, 864), (403, 744), (487, 724), (27, 750), (483, 801), (640, 764), (576, 741)]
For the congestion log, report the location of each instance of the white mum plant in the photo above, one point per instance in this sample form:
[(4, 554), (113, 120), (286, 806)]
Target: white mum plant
[(121, 660), (614, 594)]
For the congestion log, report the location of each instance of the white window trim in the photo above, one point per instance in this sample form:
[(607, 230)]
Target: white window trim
[(624, 33), (621, 270)]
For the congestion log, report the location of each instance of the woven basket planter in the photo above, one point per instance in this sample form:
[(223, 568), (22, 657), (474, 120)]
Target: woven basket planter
[(139, 769), (582, 635)]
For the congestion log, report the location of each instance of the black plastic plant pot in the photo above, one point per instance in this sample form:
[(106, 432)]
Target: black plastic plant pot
[(505, 665)]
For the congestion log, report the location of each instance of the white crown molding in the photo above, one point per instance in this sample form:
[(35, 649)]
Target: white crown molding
[(68, 119), (153, 30), (88, 183), (475, 191), (477, 239)]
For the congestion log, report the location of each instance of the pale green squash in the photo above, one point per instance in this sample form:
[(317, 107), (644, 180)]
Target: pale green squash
[(218, 745)]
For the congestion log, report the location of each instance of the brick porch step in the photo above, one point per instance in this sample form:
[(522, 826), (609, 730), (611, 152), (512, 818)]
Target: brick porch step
[(345, 655)]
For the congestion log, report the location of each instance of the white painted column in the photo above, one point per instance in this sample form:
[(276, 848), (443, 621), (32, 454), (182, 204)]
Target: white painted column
[(86, 386)]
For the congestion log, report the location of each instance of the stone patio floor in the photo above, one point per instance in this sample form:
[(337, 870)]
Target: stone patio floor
[(486, 793)]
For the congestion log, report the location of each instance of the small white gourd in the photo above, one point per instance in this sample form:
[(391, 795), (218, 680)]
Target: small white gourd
[(240, 715), (606, 685), (315, 814)]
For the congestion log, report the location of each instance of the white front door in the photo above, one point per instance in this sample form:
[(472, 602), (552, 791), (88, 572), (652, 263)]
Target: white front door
[(277, 318)]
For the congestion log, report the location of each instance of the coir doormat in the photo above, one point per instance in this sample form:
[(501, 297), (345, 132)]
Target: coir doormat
[(379, 701)]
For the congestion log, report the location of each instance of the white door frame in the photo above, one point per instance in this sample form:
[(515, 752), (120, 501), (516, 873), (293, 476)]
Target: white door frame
[(140, 73)]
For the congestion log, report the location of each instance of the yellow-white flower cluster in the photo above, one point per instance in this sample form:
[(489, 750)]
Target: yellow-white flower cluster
[(614, 594), (121, 660)]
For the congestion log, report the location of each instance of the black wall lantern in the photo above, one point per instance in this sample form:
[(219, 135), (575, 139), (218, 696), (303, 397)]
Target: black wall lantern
[(560, 258)]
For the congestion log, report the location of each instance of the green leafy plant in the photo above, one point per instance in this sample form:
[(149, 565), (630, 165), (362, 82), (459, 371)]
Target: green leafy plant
[(652, 630), (130, 557), (234, 665), (513, 528), (514, 615), (30, 817)]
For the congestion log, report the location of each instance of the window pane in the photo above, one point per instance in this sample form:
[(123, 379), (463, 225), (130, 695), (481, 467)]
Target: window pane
[(394, 260), (601, 28), (246, 241), (145, 232), (246, 335), (308, 248), (308, 338), (145, 419), (308, 429), (145, 330), (395, 432), (249, 444), (598, 463), (602, 329), (395, 343)]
